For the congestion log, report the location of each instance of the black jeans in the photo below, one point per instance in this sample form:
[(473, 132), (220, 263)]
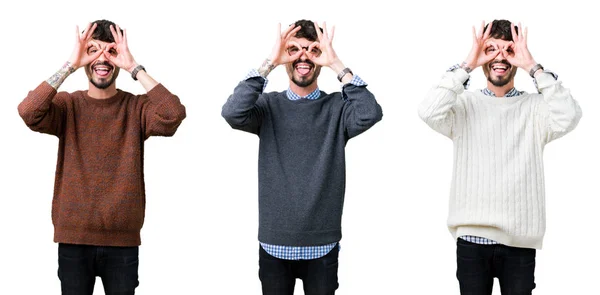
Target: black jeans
[(278, 276), (78, 266), (479, 264)]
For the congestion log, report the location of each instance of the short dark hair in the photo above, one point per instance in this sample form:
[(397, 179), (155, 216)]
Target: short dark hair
[(501, 30), (307, 31), (102, 32)]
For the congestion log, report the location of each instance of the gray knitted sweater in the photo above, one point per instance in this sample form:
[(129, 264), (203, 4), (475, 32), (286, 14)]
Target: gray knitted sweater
[(301, 165)]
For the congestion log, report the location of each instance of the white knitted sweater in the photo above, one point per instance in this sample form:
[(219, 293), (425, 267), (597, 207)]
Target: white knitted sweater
[(498, 176)]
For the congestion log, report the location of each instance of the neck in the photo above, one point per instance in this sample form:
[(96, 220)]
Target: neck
[(303, 91), (501, 91), (98, 93)]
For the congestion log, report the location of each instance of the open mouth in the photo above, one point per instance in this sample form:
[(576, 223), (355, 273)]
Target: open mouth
[(303, 68), (500, 68), (102, 70)]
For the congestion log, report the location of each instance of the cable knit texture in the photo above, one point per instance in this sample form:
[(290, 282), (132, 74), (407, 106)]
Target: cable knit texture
[(99, 197), (498, 176)]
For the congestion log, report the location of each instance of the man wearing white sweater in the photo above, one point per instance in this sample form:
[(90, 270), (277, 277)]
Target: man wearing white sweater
[(497, 211)]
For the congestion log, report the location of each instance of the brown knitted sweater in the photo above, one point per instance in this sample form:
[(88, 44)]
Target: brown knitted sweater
[(99, 196)]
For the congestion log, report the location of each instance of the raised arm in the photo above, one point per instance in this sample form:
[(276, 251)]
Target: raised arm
[(559, 113), (243, 109), (42, 109)]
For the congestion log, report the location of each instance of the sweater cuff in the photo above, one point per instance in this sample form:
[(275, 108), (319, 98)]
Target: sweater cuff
[(544, 80)]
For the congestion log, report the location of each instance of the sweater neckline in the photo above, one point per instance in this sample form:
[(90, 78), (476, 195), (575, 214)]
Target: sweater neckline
[(499, 100), (304, 100), (105, 101)]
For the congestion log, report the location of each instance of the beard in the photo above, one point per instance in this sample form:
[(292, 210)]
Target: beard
[(501, 81), (304, 81), (102, 83)]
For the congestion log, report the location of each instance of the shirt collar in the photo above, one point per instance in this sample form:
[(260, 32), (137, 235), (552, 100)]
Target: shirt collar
[(510, 93), (312, 96)]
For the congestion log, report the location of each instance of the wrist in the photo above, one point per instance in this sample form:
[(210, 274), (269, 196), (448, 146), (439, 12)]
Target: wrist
[(337, 66), (266, 67), (535, 69), (468, 67), (136, 70), (131, 68)]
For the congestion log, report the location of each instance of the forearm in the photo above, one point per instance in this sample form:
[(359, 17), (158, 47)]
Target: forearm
[(147, 82), (337, 68), (59, 77), (266, 67)]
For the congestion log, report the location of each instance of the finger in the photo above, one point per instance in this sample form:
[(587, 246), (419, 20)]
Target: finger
[(295, 56), (513, 31), (109, 56), (293, 43), (332, 33), (279, 34), (95, 45), (524, 32), (293, 32), (83, 34), (479, 33), (288, 31), (112, 46), (88, 32), (124, 37), (283, 34), (311, 47), (95, 55), (114, 33), (325, 32), (488, 30), (119, 33), (319, 35), (76, 33), (91, 31)]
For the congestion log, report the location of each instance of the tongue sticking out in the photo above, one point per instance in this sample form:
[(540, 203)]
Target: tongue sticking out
[(303, 70), (102, 72)]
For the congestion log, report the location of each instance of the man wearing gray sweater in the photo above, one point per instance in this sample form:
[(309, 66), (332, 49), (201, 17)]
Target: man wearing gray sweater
[(303, 132)]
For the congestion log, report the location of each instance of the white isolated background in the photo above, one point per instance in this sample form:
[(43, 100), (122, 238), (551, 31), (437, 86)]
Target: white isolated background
[(200, 233)]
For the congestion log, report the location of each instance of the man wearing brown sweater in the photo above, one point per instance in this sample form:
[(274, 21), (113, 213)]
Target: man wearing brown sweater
[(99, 198)]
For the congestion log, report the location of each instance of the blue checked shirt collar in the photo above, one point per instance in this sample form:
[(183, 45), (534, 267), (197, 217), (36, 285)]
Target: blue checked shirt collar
[(356, 81), (311, 96), (510, 93)]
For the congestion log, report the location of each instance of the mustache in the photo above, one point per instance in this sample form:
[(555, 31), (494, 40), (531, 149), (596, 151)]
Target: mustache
[(303, 61), (504, 61), (102, 63)]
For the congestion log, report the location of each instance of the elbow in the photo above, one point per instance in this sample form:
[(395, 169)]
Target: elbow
[(569, 121), (232, 118), (180, 114), (28, 116)]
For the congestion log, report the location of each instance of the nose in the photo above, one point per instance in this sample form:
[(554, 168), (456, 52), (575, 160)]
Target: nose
[(101, 57), (304, 56)]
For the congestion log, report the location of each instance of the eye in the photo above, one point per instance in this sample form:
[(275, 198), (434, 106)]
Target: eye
[(113, 52), (92, 50), (490, 49), (293, 50)]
